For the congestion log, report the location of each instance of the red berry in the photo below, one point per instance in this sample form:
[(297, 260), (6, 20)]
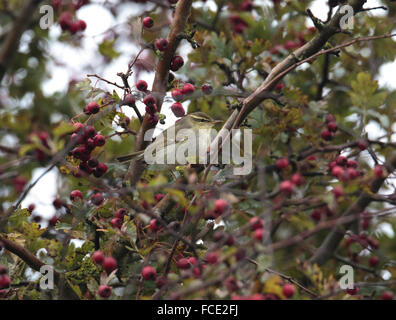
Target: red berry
[(148, 22), (212, 258), (151, 109), (387, 295), (92, 108), (297, 179), (247, 5), (207, 89), (373, 261), (332, 126), (89, 132), (100, 170), (141, 85), (326, 135), (75, 194), (178, 110), (74, 27), (93, 163), (57, 203), (155, 225), (258, 234), (129, 100), (352, 164), (177, 63), (104, 291), (221, 206), (378, 171), (161, 44), (99, 140), (183, 263), (338, 191), (159, 196), (282, 163), (5, 281), (53, 221), (352, 291), (56, 3), (65, 20), (31, 207), (149, 101), (192, 261), (341, 161), (153, 119), (98, 257), (330, 118), (291, 45), (116, 223), (83, 25), (256, 223), (188, 88), (316, 214), (288, 290), (286, 187), (120, 213), (362, 144), (337, 171), (109, 264), (177, 95), (97, 199), (148, 273), (160, 282)]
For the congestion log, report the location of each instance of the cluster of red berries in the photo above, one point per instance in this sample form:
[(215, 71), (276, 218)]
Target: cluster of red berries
[(43, 138), (149, 273), (77, 4), (109, 264), (287, 186), (257, 226), (365, 241), (118, 218), (67, 23), (178, 95), (238, 25), (293, 44), (328, 134), (221, 236), (37, 218), (344, 169), (19, 183), (97, 198), (148, 22), (188, 263), (318, 213), (87, 139)]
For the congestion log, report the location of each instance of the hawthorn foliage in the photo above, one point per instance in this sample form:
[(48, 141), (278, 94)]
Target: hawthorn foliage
[(320, 194)]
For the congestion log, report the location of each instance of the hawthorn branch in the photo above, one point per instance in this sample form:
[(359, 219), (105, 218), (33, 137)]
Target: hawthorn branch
[(182, 14), (33, 262), (331, 242)]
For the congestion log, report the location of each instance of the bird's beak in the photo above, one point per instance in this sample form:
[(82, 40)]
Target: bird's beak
[(217, 121)]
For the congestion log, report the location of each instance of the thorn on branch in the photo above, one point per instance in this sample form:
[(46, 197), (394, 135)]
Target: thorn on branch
[(317, 22), (189, 38)]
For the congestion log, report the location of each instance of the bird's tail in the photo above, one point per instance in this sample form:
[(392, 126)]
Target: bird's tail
[(133, 156)]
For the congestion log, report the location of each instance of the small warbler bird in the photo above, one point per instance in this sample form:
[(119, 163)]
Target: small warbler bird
[(199, 124)]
